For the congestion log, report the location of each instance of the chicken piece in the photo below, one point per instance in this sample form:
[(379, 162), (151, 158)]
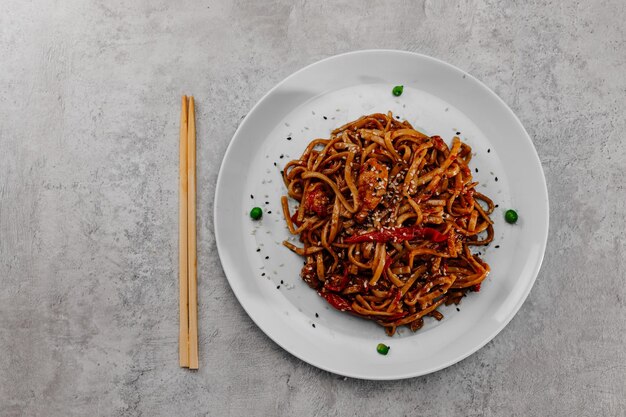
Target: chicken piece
[(317, 201), (372, 185)]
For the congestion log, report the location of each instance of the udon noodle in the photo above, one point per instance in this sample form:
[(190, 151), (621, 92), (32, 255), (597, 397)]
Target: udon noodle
[(386, 216)]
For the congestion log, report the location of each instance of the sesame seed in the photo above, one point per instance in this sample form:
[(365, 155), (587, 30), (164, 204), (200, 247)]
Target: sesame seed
[(251, 196), (313, 324)]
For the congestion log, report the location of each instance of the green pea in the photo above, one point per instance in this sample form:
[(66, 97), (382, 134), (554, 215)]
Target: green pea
[(397, 90), (382, 348), (256, 213), (510, 216)]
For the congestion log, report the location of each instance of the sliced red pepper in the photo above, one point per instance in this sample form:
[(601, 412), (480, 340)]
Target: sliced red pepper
[(388, 262), (399, 234), (336, 301), (434, 235)]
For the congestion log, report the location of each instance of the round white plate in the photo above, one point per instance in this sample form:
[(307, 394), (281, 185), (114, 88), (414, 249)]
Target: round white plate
[(438, 99)]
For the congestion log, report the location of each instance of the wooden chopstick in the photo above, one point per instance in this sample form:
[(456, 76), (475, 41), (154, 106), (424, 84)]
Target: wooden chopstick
[(191, 236), (183, 277)]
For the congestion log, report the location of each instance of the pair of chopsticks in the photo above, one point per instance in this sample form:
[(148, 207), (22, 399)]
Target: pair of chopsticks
[(188, 335)]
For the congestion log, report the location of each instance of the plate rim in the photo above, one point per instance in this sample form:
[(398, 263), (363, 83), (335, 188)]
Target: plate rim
[(513, 311)]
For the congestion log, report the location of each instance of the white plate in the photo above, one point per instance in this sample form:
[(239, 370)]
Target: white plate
[(438, 99)]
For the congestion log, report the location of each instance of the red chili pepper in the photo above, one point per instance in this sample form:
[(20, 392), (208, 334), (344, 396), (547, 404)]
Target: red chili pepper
[(476, 287), (336, 301), (434, 235), (399, 234)]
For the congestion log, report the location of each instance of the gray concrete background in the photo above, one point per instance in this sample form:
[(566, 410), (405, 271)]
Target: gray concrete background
[(89, 107)]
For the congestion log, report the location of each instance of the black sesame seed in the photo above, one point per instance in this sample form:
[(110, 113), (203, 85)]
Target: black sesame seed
[(317, 315), (325, 118), (313, 324), (258, 250), (263, 274), (496, 179), (497, 205), (457, 309), (281, 281), (274, 163), (282, 156), (288, 137), (267, 257), (278, 287), (476, 169), (269, 212), (458, 133), (267, 202), (251, 196), (488, 150)]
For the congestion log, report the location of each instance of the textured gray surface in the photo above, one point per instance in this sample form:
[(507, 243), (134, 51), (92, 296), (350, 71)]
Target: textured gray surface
[(89, 101)]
